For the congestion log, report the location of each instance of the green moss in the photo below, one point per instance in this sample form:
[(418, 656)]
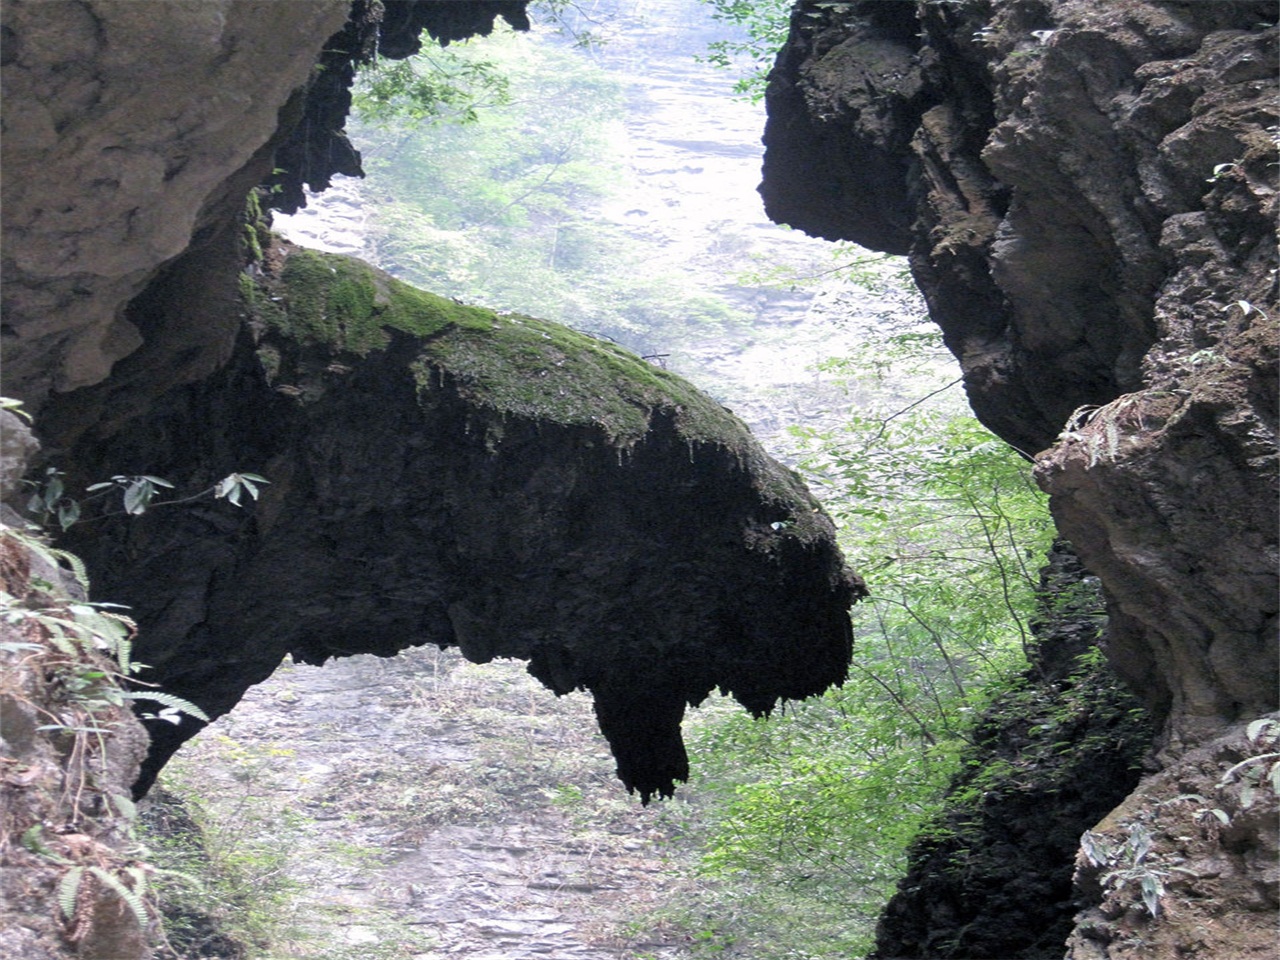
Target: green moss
[(255, 230), (526, 367), (348, 305), (512, 365)]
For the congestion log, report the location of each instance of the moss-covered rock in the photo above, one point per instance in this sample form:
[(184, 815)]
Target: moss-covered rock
[(509, 365), (513, 364), (443, 474), (1057, 749)]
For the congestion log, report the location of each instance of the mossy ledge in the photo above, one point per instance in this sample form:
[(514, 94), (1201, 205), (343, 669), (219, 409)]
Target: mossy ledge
[(512, 363), (338, 307), (341, 309), (441, 474)]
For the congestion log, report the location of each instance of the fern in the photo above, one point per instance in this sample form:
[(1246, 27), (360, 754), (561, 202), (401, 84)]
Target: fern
[(69, 891), (56, 632), (112, 631), (130, 897), (51, 555), (169, 700), (31, 839), (1113, 438), (75, 563)]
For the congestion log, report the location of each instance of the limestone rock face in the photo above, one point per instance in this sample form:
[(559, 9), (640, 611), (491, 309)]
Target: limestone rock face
[(1087, 194), (443, 475), (123, 123)]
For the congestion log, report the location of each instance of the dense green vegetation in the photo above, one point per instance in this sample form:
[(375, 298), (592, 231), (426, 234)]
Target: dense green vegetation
[(811, 813)]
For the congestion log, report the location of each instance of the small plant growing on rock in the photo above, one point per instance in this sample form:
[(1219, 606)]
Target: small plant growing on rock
[(1126, 864), (1262, 769), (49, 501)]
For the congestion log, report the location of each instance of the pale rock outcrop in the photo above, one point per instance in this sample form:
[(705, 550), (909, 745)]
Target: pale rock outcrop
[(123, 124)]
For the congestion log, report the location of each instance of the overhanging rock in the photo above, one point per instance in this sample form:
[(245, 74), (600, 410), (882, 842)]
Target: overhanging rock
[(441, 474)]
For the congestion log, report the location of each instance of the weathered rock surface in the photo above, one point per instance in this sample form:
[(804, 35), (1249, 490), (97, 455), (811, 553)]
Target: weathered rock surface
[(1187, 865), (443, 475), (1059, 747), (70, 748), (1051, 168), (1087, 195), (128, 127), (133, 134)]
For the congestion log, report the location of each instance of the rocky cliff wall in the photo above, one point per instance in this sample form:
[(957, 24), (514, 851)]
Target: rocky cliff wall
[(438, 474), (132, 134), (1087, 194)]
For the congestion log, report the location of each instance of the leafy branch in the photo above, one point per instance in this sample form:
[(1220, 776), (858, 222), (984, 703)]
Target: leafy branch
[(50, 502)]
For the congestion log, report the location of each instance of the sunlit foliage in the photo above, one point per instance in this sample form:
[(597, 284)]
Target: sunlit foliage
[(813, 810), (499, 210)]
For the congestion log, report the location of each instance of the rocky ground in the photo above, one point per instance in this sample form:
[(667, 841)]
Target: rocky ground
[(424, 807)]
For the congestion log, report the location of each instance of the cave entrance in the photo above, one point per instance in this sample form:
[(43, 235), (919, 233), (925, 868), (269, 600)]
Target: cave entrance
[(422, 805)]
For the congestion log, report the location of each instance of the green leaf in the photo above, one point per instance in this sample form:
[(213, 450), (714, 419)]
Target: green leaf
[(137, 496), (18, 647), (1152, 891), (33, 840), (15, 406), (1261, 728), (69, 891), (68, 514), (1098, 852)]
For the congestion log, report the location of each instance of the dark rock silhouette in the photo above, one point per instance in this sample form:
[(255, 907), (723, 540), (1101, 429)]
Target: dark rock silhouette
[(440, 474)]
